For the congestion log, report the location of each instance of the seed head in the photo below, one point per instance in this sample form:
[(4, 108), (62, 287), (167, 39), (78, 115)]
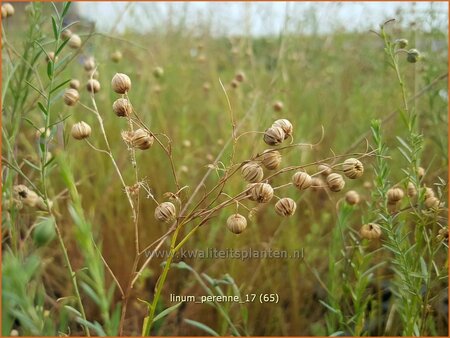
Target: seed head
[(429, 192), (271, 159), (324, 169), (236, 223), (394, 195), (370, 231), (284, 124), (353, 168), (74, 41), (420, 172), (401, 43), (81, 130), (141, 139), (122, 107), (74, 84), (93, 86), (278, 106), (352, 197), (274, 136), (442, 234), (187, 143), (89, 64), (165, 212), (301, 180), (71, 96), (40, 132), (252, 172), (51, 57), (8, 9), (234, 84), (116, 56), (28, 197), (411, 190), (432, 203), (158, 72), (240, 77), (335, 182), (66, 34), (285, 207), (121, 83), (413, 56), (93, 74), (261, 192), (317, 184)]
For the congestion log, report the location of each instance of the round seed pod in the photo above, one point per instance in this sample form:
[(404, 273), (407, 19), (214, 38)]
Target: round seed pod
[(261, 192), (25, 195), (317, 184), (165, 212), (40, 132), (420, 172), (14, 333), (71, 96), (413, 56), (44, 231), (93, 74), (4, 12), (401, 43), (9, 9), (394, 195), (285, 207), (93, 86), (116, 56), (66, 34), (442, 234), (429, 193), (301, 180), (274, 136), (271, 159), (74, 41), (411, 190), (187, 143), (89, 64), (278, 106), (141, 139), (432, 203), (234, 84), (324, 169), (252, 172), (240, 77), (335, 182), (74, 84), (236, 223), (352, 197), (81, 130), (284, 124), (122, 107), (158, 72), (370, 231), (353, 168), (51, 57), (121, 83)]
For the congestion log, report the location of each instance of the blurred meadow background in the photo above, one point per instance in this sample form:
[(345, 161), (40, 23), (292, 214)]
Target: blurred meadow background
[(324, 67)]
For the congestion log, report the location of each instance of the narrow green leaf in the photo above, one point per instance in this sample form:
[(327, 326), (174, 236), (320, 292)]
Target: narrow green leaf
[(73, 310), (32, 165), (55, 28), (60, 48), (42, 108), (36, 89), (50, 70), (59, 86), (202, 326), (166, 312), (65, 8)]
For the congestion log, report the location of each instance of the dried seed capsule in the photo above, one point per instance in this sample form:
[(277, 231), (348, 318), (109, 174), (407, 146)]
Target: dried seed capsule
[(122, 107), (89, 64), (317, 184), (370, 231), (121, 83), (165, 212), (324, 169), (240, 77), (274, 136), (66, 34), (432, 203), (285, 207), (428, 192), (271, 159), (353, 168), (252, 172), (352, 197), (335, 182), (187, 143), (261, 192), (420, 172), (234, 84), (51, 57), (93, 86), (93, 74), (394, 195), (278, 106), (9, 9), (284, 124), (71, 96), (81, 130), (442, 234), (413, 56), (301, 180), (236, 223), (158, 72), (116, 56), (4, 12), (141, 139), (411, 190), (74, 84), (401, 43), (40, 132), (74, 41)]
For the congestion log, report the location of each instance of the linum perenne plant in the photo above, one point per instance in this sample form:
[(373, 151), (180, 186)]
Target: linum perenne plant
[(258, 171)]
